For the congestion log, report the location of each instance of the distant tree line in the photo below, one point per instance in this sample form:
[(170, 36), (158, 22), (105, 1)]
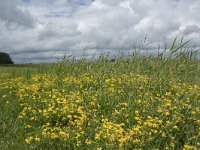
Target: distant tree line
[(5, 58)]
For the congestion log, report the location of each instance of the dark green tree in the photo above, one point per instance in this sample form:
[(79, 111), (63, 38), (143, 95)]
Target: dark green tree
[(5, 58)]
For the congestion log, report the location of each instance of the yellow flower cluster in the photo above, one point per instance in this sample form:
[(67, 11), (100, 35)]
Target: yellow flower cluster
[(125, 111)]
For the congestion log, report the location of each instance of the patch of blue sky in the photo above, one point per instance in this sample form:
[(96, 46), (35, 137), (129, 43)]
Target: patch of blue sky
[(58, 14), (26, 1), (71, 2), (70, 8), (81, 2), (38, 2)]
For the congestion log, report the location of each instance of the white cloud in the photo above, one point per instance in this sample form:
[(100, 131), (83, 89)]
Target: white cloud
[(40, 28)]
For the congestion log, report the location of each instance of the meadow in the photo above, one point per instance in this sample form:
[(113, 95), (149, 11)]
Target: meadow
[(136, 103)]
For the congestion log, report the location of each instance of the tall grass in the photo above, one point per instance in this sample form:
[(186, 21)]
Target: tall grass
[(140, 102)]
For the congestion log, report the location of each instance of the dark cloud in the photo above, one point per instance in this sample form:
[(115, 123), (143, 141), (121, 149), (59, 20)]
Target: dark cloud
[(10, 14), (190, 29)]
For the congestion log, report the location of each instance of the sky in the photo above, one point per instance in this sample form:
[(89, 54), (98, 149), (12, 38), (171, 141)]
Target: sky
[(34, 31)]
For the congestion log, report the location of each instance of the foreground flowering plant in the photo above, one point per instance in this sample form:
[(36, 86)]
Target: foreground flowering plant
[(86, 111)]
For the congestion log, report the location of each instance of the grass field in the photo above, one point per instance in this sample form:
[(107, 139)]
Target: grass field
[(137, 103)]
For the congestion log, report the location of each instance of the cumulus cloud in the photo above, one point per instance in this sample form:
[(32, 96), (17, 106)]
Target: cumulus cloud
[(71, 26)]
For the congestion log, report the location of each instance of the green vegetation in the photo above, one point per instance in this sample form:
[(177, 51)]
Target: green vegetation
[(5, 58), (137, 103)]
